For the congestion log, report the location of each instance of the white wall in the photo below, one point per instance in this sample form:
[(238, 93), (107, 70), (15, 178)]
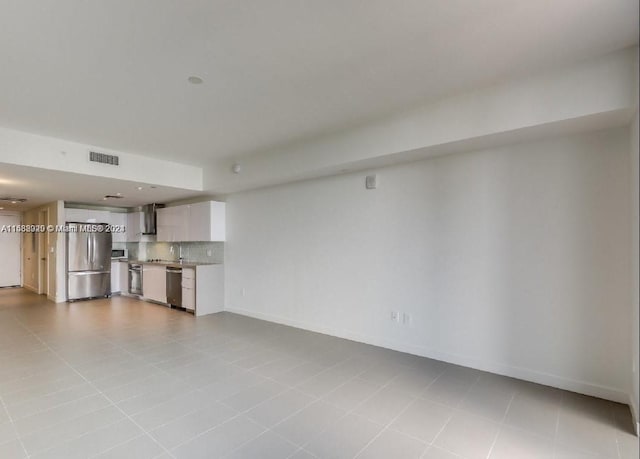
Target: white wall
[(26, 149), (514, 260), (596, 91)]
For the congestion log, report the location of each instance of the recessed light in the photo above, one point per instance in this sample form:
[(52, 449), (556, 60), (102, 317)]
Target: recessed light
[(118, 194), (14, 202), (139, 188), (195, 80), (1, 208)]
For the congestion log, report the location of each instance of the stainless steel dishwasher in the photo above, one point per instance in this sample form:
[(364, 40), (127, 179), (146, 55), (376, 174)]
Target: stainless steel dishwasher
[(135, 279), (174, 286)]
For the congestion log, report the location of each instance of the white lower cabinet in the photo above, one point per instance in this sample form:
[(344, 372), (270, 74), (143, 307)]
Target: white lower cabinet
[(124, 276), (154, 283), (115, 277), (202, 287), (189, 288), (208, 289)]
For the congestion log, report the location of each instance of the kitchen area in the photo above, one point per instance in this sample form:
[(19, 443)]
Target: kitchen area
[(171, 255)]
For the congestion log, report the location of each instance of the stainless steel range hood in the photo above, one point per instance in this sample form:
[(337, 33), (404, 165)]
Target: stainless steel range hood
[(149, 212)]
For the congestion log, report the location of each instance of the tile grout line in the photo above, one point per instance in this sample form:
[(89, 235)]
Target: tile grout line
[(362, 402), (59, 406), (388, 426), (84, 434), (501, 425), (204, 394), (143, 434), (4, 407), (150, 352), (267, 429), (315, 399), (91, 384), (615, 421), (557, 429), (455, 409), (13, 426)]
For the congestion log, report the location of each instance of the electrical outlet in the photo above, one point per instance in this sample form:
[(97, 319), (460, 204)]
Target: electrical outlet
[(395, 316), (406, 319), (243, 291)]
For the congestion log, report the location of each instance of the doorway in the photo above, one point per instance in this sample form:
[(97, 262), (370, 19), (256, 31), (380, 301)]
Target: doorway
[(10, 250)]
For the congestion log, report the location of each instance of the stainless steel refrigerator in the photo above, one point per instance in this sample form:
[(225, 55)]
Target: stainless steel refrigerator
[(88, 261)]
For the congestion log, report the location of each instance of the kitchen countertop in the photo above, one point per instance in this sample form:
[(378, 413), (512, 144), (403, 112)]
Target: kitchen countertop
[(175, 264)]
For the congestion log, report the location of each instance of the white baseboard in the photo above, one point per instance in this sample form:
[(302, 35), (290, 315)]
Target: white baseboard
[(581, 387)]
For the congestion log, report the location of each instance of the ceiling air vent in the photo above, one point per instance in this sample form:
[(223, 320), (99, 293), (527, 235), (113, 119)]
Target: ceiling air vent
[(103, 158)]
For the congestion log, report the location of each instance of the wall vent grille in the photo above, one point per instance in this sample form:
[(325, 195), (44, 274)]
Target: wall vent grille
[(104, 158)]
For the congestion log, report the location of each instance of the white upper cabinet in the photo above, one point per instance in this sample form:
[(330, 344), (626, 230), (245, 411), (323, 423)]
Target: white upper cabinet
[(118, 220), (163, 226), (203, 221), (87, 216), (206, 221), (76, 215), (99, 216), (172, 224), (135, 225)]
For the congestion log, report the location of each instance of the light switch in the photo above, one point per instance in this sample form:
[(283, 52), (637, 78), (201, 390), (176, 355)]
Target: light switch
[(371, 182)]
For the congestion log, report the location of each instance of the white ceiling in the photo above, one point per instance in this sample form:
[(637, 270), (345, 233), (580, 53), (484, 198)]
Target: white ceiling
[(40, 186), (114, 72)]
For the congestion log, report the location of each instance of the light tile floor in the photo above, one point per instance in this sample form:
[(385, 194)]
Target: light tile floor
[(121, 378)]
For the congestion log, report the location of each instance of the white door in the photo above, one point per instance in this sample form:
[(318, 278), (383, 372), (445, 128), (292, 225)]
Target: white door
[(10, 250)]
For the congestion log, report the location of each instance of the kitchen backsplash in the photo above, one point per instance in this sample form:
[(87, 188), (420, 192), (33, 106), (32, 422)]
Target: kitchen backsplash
[(203, 252)]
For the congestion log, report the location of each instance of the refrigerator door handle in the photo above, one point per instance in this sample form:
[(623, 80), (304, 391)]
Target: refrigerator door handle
[(88, 254)]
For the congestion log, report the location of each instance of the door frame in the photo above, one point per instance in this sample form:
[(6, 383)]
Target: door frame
[(43, 255), (17, 215)]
